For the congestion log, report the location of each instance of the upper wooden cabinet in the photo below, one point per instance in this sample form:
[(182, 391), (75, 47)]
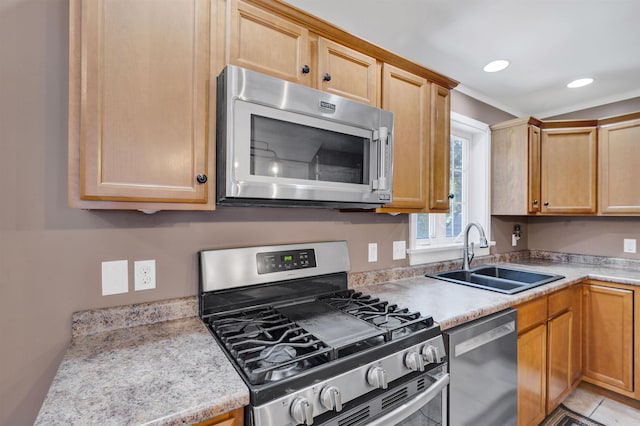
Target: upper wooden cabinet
[(268, 43), (421, 113), (439, 148), (142, 96), (407, 96), (543, 167), (618, 158), (272, 44), (515, 167), (346, 72), (139, 108), (568, 170)]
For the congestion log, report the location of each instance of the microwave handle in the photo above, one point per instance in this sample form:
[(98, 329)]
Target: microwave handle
[(382, 137), (407, 409)]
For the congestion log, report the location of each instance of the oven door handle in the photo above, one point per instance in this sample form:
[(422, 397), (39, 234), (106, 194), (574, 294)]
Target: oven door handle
[(407, 409)]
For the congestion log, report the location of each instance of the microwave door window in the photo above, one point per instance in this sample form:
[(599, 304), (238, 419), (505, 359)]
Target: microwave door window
[(284, 149)]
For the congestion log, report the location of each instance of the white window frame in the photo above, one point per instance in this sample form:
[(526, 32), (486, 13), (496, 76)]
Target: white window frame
[(478, 196)]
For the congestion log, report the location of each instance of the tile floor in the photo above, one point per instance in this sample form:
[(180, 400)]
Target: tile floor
[(602, 409)]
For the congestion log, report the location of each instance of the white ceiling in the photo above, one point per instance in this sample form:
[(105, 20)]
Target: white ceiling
[(548, 42)]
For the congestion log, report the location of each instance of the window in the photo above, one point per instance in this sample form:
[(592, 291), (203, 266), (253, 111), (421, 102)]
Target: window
[(438, 236)]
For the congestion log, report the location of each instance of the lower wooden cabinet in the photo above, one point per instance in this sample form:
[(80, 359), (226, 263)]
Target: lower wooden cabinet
[(559, 331), (549, 348), (232, 418), (532, 382), (609, 328)]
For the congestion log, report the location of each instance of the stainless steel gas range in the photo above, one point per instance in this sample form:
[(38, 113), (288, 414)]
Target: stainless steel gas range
[(310, 350)]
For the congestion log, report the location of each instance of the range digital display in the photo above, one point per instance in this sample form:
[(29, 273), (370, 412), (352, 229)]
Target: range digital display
[(285, 260)]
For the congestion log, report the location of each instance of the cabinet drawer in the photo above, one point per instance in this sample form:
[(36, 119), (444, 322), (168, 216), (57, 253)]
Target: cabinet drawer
[(532, 313), (560, 301)]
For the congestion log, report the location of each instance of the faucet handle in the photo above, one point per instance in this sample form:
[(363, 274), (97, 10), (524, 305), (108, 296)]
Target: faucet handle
[(483, 242)]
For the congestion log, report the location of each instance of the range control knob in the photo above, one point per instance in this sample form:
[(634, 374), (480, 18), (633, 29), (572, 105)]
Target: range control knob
[(414, 361), (377, 377), (331, 399), (302, 411), (431, 354)]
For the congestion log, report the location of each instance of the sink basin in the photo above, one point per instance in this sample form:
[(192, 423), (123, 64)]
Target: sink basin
[(496, 278)]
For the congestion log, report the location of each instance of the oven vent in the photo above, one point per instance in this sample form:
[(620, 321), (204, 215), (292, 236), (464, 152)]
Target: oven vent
[(394, 399), (420, 385), (355, 419)]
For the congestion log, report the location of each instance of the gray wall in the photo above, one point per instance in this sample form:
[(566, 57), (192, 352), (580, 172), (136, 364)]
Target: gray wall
[(602, 111), (50, 255)]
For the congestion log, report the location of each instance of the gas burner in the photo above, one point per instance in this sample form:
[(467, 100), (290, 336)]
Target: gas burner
[(279, 358), (276, 355)]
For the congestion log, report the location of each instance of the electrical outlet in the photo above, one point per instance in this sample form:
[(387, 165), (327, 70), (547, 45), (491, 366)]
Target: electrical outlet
[(373, 252), (399, 250), (629, 245), (115, 277), (145, 274)]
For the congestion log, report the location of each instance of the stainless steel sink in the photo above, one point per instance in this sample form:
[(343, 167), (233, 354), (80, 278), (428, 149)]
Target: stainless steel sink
[(497, 278)]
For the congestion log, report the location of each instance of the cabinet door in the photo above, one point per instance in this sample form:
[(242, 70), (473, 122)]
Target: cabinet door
[(142, 80), (619, 156), (532, 384), (568, 171), (608, 323), (268, 43), (533, 201), (509, 170), (346, 72), (560, 355), (407, 96), (439, 149)]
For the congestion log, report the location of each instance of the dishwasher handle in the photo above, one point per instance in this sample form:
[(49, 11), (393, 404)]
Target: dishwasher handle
[(484, 338), (407, 409)]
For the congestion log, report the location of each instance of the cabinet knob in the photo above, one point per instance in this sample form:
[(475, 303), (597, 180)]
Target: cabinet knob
[(305, 69), (546, 203), (201, 178), (451, 196), (535, 202), (327, 77)]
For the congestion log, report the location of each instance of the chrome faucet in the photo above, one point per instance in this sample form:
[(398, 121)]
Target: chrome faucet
[(467, 256)]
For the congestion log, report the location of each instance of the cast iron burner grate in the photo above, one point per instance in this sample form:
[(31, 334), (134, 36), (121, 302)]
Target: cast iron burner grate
[(382, 314), (267, 345)]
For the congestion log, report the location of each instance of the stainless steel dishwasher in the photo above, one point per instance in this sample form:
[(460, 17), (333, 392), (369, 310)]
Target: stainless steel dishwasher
[(483, 358)]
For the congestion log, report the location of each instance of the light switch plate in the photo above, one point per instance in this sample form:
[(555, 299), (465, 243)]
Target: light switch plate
[(629, 245), (115, 277), (373, 252), (399, 250)]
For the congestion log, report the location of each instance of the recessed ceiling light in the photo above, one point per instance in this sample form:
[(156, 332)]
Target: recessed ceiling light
[(581, 82), (495, 66)]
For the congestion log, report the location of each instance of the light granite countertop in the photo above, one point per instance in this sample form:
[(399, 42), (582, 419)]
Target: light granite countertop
[(453, 304), (160, 373), (157, 364)]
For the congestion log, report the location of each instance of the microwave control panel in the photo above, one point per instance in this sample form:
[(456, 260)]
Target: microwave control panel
[(278, 261)]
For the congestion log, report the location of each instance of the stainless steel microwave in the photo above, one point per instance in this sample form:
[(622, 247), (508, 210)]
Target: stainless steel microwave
[(284, 144)]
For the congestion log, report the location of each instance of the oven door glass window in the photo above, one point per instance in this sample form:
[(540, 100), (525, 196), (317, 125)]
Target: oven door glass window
[(279, 146)]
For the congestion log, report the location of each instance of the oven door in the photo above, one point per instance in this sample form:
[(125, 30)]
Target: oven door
[(418, 401), (427, 408), (275, 154)]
